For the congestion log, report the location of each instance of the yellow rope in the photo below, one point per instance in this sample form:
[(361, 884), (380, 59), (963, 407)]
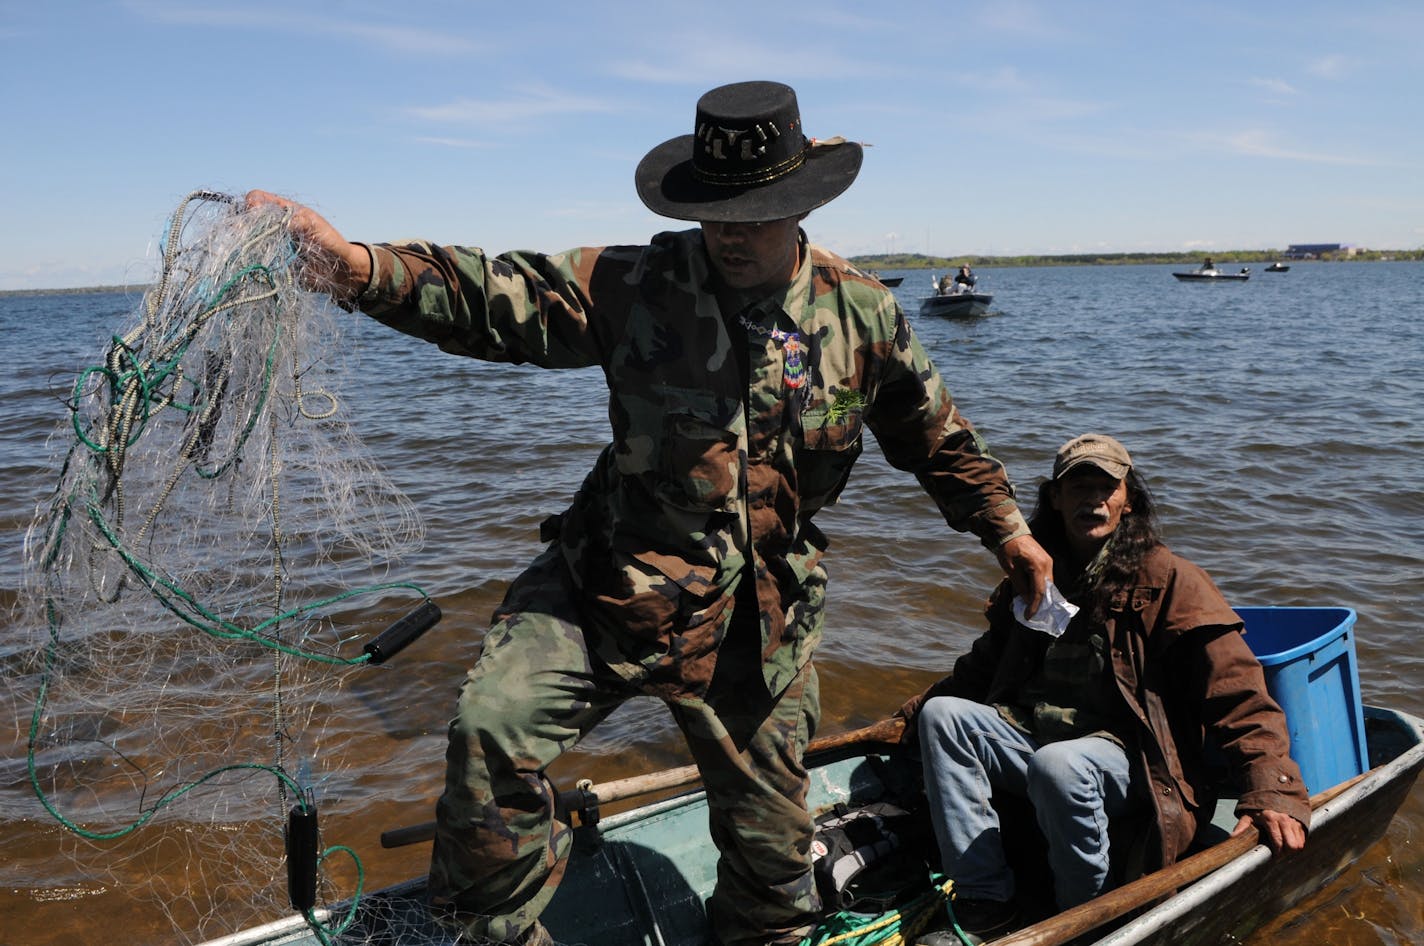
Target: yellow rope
[(910, 928)]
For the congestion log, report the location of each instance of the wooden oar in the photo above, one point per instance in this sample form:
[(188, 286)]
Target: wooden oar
[(1073, 922), (887, 731)]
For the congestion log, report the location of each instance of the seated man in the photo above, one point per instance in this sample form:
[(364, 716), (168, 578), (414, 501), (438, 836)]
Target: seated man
[(1109, 717), (964, 280)]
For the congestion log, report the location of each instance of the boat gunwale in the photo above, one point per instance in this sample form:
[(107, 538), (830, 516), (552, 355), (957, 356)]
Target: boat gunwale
[(1193, 896), (294, 929)]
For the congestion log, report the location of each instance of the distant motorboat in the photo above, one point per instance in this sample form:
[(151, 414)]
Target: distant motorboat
[(1277, 268), (956, 305), (1203, 274), (888, 281)]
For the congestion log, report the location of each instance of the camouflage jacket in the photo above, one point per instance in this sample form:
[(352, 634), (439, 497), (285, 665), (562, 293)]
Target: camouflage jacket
[(711, 475)]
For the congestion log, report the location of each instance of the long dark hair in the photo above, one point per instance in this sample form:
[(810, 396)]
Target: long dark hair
[(1136, 535)]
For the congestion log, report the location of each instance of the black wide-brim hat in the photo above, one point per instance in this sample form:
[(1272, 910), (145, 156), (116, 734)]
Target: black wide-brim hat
[(748, 161)]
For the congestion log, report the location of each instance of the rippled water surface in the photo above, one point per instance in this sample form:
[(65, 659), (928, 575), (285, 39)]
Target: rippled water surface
[(1280, 423)]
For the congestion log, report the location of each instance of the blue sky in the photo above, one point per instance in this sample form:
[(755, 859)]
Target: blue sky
[(1000, 127)]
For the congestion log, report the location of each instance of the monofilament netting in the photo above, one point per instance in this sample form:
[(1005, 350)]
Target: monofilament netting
[(203, 579)]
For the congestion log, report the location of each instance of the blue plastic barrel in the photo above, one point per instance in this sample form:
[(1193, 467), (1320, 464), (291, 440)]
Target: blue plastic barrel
[(1309, 658)]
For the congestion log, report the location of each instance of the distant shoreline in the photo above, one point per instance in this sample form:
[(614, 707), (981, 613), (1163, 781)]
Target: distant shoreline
[(1229, 257), (76, 291), (915, 261)]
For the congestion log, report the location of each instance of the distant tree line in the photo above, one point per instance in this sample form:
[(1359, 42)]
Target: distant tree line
[(880, 261), (82, 290), (919, 261)]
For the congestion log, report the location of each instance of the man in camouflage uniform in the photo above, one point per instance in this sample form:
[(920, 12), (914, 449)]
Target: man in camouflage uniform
[(743, 364)]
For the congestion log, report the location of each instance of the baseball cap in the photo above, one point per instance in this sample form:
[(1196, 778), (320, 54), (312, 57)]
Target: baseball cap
[(1100, 450)]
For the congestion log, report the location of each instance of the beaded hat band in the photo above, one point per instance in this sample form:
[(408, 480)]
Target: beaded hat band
[(747, 161)]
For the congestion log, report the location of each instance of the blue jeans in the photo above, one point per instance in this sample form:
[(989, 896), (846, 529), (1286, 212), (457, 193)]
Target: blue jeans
[(1075, 786)]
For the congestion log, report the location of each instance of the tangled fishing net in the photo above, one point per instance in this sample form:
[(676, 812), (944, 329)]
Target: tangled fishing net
[(204, 577)]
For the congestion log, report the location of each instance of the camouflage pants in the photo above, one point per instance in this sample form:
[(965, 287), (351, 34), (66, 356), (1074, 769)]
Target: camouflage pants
[(535, 691)]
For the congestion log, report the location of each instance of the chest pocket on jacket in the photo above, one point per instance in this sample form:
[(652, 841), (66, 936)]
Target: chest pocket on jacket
[(1141, 596), (828, 451), (699, 455)]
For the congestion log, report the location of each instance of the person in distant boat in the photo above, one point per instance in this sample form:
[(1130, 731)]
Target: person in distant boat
[(946, 284), (1207, 265), (743, 364), (964, 279), (1113, 713)]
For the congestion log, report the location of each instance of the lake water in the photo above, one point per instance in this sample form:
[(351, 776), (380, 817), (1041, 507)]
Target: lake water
[(1280, 423)]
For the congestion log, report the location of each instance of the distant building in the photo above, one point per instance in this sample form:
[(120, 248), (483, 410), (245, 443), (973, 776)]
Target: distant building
[(1317, 250)]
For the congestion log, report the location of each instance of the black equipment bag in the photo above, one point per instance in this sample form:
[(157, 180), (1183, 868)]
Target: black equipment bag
[(864, 859)]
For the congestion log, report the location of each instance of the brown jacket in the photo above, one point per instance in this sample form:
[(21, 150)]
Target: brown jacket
[(1188, 681)]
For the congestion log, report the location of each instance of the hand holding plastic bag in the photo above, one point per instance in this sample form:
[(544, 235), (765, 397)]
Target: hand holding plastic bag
[(1053, 613)]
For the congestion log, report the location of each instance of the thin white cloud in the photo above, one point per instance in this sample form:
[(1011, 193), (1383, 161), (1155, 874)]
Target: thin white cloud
[(1112, 144), (1018, 18), (705, 62), (1275, 86), (693, 56), (1024, 100), (594, 210), (1047, 121), (275, 20), (1043, 109), (1260, 144), (531, 104), (404, 39), (452, 142), (1002, 79), (1330, 67), (689, 73)]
